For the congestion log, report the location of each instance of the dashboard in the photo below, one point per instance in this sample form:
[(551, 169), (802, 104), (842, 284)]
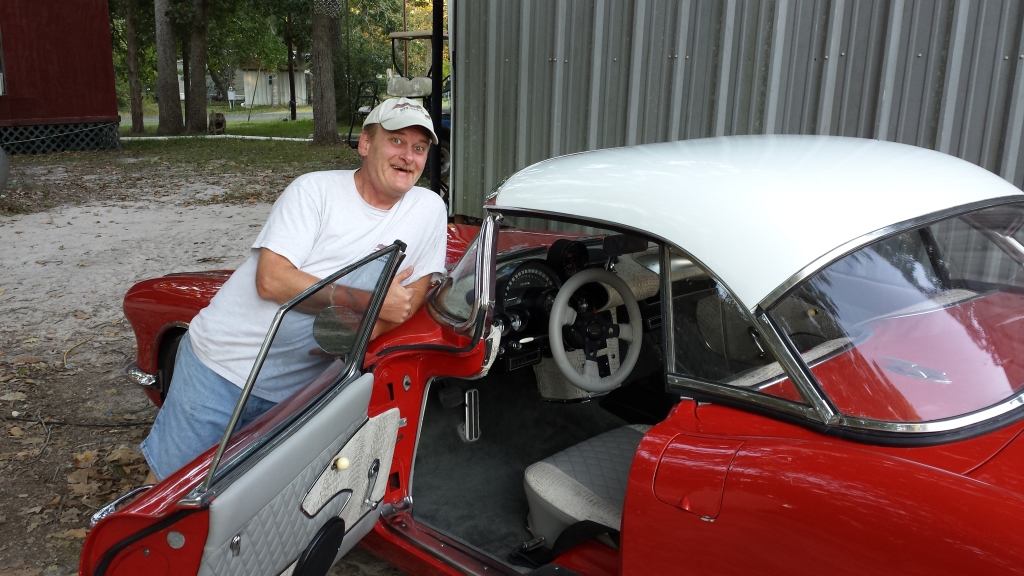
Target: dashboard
[(526, 289)]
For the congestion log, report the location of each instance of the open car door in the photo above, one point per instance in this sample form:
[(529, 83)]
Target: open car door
[(297, 488)]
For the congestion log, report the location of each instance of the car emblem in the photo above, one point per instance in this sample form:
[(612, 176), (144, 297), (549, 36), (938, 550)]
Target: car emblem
[(915, 371)]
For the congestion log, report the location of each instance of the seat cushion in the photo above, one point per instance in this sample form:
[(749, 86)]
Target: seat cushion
[(583, 482)]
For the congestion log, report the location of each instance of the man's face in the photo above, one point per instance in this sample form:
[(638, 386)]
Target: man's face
[(394, 160)]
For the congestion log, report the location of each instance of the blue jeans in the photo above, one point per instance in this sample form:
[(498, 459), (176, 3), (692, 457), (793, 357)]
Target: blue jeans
[(195, 413)]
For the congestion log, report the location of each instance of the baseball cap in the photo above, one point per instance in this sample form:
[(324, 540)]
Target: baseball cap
[(398, 113)]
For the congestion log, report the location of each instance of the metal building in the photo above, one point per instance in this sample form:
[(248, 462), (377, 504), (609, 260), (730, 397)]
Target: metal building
[(535, 79)]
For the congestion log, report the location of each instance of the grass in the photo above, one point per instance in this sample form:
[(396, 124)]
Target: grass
[(243, 155), (279, 126), (212, 155)]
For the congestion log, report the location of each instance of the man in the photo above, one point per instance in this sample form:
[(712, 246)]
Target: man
[(322, 222)]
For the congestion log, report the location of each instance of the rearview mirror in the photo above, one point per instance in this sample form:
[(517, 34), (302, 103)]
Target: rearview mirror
[(620, 244)]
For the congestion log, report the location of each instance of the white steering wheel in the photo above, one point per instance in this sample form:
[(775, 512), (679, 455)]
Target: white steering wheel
[(595, 332)]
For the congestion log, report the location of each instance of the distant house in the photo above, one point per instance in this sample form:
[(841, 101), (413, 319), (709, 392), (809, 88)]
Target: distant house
[(269, 87), (56, 77)]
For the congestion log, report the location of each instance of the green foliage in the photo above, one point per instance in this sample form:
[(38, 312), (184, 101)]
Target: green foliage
[(145, 34), (253, 33)]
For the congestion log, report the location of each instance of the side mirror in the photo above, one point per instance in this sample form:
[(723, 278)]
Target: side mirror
[(335, 330)]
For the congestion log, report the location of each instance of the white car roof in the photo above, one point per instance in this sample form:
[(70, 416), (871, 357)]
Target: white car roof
[(755, 210)]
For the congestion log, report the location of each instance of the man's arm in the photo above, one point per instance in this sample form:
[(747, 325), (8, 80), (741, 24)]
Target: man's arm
[(278, 280)]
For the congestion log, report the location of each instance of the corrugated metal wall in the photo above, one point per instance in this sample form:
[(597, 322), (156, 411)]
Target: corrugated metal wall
[(535, 79)]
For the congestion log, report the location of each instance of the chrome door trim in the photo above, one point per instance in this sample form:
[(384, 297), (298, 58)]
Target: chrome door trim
[(937, 426), (772, 402)]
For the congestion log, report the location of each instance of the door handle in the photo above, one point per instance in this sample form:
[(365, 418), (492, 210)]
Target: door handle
[(371, 484)]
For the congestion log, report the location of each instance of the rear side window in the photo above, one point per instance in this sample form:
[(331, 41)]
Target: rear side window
[(715, 341)]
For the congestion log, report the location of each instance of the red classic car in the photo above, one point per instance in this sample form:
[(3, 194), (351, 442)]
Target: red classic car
[(743, 355)]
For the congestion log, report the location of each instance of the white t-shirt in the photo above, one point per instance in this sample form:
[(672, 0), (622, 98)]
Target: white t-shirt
[(320, 224)]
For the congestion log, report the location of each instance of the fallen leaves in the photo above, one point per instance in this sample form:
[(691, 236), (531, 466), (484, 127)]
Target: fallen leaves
[(27, 359), (82, 315), (13, 396), (17, 432), (85, 459), (78, 482), (73, 534)]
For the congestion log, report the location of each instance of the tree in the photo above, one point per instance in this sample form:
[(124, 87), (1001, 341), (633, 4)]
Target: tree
[(196, 104), (134, 86), (325, 119), (133, 44), (168, 97)]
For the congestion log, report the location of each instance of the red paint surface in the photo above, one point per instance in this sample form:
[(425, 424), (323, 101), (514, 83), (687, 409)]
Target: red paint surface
[(692, 473), (58, 62), (795, 501), (591, 558)]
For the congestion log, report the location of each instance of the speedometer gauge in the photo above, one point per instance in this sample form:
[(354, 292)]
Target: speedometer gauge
[(523, 280)]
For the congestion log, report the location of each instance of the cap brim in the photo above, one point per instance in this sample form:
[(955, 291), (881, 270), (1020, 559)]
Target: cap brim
[(399, 123)]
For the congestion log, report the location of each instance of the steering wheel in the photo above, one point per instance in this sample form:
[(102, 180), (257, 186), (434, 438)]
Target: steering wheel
[(595, 332)]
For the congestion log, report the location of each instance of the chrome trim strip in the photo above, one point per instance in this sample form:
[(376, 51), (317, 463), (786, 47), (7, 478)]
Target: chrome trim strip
[(934, 426), (799, 374), (857, 243), (773, 402), (112, 507), (199, 494)]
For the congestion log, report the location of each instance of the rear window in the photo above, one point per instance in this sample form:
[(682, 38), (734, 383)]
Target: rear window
[(922, 326)]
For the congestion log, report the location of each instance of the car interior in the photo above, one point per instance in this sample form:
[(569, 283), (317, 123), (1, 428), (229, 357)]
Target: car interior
[(515, 479), (505, 463)]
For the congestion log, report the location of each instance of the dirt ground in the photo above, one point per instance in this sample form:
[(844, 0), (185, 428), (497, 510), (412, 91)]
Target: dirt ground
[(71, 423)]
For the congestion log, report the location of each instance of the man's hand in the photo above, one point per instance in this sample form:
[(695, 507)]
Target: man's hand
[(399, 302)]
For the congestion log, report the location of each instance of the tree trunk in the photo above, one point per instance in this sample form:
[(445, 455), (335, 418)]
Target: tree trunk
[(167, 72), (134, 86), (218, 84), (291, 72), (325, 119), (196, 103)]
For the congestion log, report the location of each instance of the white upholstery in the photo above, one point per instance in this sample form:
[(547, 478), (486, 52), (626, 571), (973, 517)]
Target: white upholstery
[(583, 482)]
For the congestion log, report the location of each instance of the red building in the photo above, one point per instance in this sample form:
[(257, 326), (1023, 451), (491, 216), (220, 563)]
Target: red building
[(56, 77)]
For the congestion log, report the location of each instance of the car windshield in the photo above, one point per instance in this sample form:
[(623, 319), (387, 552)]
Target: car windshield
[(922, 326), (456, 295)]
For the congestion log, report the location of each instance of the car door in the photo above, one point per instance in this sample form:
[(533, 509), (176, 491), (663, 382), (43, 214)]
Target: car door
[(293, 491)]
